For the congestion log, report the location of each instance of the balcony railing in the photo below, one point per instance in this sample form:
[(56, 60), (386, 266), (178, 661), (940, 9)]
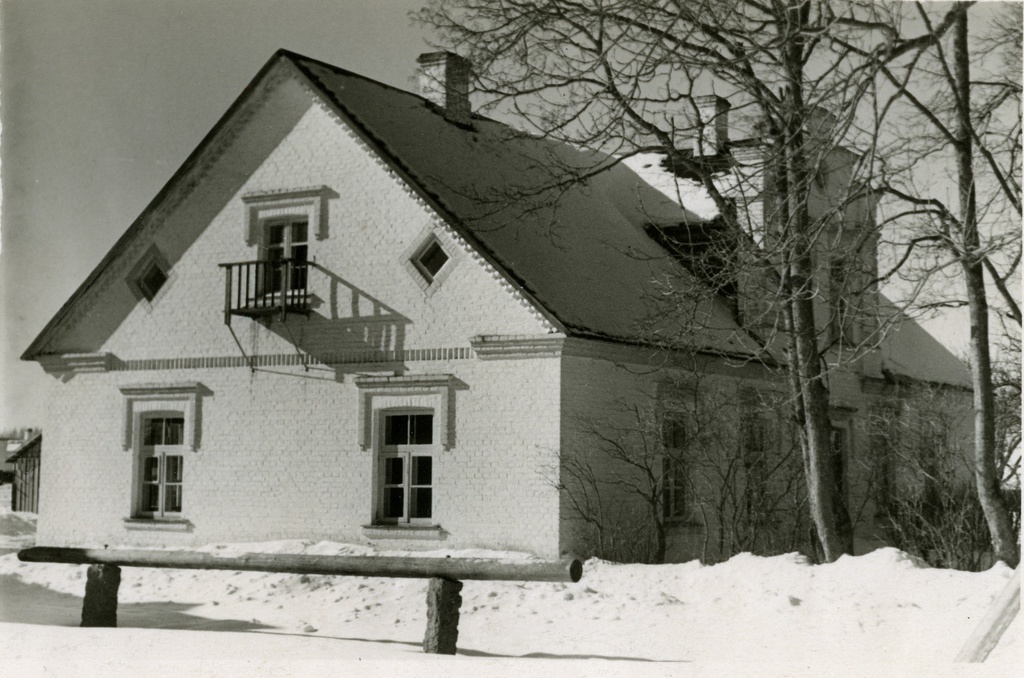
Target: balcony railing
[(262, 288)]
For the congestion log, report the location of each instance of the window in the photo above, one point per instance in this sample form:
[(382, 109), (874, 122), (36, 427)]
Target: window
[(149, 275), (431, 259), (161, 466), (406, 468), (152, 280), (840, 451), (309, 203), (286, 241), (755, 442), (884, 440), (674, 495), (841, 322)]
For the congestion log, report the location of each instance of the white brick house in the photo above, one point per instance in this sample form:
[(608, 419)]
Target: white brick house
[(358, 315)]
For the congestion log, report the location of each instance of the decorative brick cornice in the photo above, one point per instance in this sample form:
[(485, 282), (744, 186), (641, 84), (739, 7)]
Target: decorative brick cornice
[(406, 382), (157, 389), (68, 364), (508, 347)]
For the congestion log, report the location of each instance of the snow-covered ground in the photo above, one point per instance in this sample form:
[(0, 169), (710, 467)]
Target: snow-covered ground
[(17, 529), (879, 614)]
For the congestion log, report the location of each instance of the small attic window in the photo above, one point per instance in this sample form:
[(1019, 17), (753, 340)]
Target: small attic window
[(152, 280), (149, 275), (431, 259)]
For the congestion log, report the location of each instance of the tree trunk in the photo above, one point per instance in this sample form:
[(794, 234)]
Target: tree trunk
[(1004, 546), (828, 511)]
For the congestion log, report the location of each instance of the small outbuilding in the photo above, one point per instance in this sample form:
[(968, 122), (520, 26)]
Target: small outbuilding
[(26, 461)]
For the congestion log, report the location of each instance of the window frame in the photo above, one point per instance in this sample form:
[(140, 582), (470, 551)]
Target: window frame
[(418, 271), (287, 242), (287, 246), (421, 265), (840, 445), (758, 442), (407, 452), (150, 260), (842, 323), (677, 502), (162, 452), (884, 440), (150, 400), (309, 201)]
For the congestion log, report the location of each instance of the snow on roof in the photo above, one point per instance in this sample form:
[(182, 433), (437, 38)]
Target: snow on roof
[(687, 192), (577, 246), (908, 350)]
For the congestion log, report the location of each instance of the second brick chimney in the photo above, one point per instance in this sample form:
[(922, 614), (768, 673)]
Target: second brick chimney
[(444, 80)]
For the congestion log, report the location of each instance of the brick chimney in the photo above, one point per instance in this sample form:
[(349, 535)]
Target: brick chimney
[(444, 80), (711, 128)]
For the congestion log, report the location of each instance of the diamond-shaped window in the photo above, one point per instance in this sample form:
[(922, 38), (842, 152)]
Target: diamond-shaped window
[(151, 280), (431, 259)]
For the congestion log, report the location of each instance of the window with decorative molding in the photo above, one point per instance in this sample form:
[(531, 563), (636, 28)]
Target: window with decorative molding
[(280, 226), (406, 422), (160, 428), (309, 203)]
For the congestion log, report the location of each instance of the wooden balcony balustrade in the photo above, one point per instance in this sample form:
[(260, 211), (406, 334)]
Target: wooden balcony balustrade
[(262, 288)]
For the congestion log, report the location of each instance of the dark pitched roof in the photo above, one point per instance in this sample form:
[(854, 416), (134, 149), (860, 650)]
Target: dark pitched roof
[(31, 446), (571, 237), (566, 224)]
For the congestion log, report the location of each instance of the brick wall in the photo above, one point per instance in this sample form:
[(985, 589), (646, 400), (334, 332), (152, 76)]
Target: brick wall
[(279, 454)]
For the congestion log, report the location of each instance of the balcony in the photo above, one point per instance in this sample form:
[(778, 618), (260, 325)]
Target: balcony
[(257, 289)]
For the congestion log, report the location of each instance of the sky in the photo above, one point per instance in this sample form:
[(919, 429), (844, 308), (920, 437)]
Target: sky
[(101, 101)]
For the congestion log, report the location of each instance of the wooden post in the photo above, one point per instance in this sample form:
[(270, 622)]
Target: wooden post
[(443, 601), (100, 605)]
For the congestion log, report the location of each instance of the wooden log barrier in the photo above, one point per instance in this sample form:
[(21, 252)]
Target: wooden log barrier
[(566, 570), (443, 592)]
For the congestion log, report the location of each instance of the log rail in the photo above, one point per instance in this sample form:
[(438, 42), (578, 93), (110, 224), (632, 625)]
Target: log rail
[(445, 574)]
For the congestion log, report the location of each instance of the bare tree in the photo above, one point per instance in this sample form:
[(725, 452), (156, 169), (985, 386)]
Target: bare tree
[(970, 125), (708, 465), (621, 76), (921, 480)]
